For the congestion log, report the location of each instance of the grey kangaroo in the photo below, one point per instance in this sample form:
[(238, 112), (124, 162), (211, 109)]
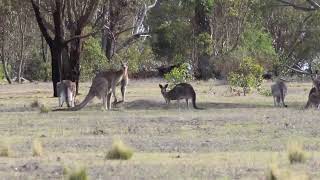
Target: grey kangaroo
[(279, 91), (103, 86), (67, 92), (180, 91), (314, 95)]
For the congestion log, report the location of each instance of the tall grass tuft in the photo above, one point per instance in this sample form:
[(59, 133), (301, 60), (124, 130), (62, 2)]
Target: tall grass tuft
[(37, 148), (273, 172), (35, 104), (5, 150), (44, 109), (80, 174), (119, 151), (296, 154)]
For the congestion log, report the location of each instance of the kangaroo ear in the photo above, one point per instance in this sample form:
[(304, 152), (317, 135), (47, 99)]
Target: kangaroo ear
[(160, 86), (165, 86)]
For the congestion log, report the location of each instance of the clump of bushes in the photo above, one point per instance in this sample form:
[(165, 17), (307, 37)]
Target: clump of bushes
[(80, 174), (247, 76), (296, 154), (119, 151), (265, 92), (37, 148), (179, 74)]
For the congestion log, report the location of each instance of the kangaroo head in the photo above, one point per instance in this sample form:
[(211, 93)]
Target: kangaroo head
[(124, 65), (316, 83), (163, 88)]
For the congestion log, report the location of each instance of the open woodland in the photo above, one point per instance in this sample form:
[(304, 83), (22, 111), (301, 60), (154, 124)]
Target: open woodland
[(230, 51), (235, 137)]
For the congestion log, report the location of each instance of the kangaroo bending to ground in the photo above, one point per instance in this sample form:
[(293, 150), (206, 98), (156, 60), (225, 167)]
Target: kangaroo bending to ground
[(104, 85), (180, 91), (279, 91), (67, 92), (314, 95)]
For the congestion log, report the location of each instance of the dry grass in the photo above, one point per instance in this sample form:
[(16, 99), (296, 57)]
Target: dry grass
[(233, 138), (37, 148), (44, 109), (80, 174), (296, 153), (35, 104), (273, 172), (119, 151), (5, 150)]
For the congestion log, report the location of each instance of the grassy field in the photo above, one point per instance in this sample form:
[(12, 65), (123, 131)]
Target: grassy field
[(235, 137)]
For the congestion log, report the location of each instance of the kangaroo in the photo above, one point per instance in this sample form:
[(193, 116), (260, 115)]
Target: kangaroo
[(67, 92), (314, 95), (180, 91), (104, 85), (279, 91), (116, 78)]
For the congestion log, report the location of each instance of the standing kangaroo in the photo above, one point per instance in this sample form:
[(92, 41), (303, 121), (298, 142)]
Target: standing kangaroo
[(314, 95), (180, 91), (67, 92), (104, 85), (279, 91)]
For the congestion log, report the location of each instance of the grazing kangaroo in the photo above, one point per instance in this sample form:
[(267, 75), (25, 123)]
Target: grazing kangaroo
[(279, 91), (67, 92), (104, 85), (180, 91)]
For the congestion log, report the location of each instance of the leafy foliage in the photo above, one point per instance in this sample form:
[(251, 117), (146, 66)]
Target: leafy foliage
[(140, 57), (93, 59), (178, 75), (37, 69), (247, 76)]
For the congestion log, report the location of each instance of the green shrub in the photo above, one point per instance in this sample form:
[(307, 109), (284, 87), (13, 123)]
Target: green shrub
[(178, 75), (296, 154), (119, 151), (265, 92), (37, 69), (92, 59), (80, 174), (248, 75)]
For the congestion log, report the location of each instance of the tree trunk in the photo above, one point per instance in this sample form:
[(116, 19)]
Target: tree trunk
[(56, 54), (109, 42), (3, 59), (75, 52), (21, 57), (44, 56), (202, 26)]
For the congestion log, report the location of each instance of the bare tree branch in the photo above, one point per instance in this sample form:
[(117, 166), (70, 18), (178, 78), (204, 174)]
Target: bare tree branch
[(313, 5), (41, 24)]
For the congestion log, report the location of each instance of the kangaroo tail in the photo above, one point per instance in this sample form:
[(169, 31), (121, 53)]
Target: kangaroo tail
[(307, 105), (194, 102), (88, 98)]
